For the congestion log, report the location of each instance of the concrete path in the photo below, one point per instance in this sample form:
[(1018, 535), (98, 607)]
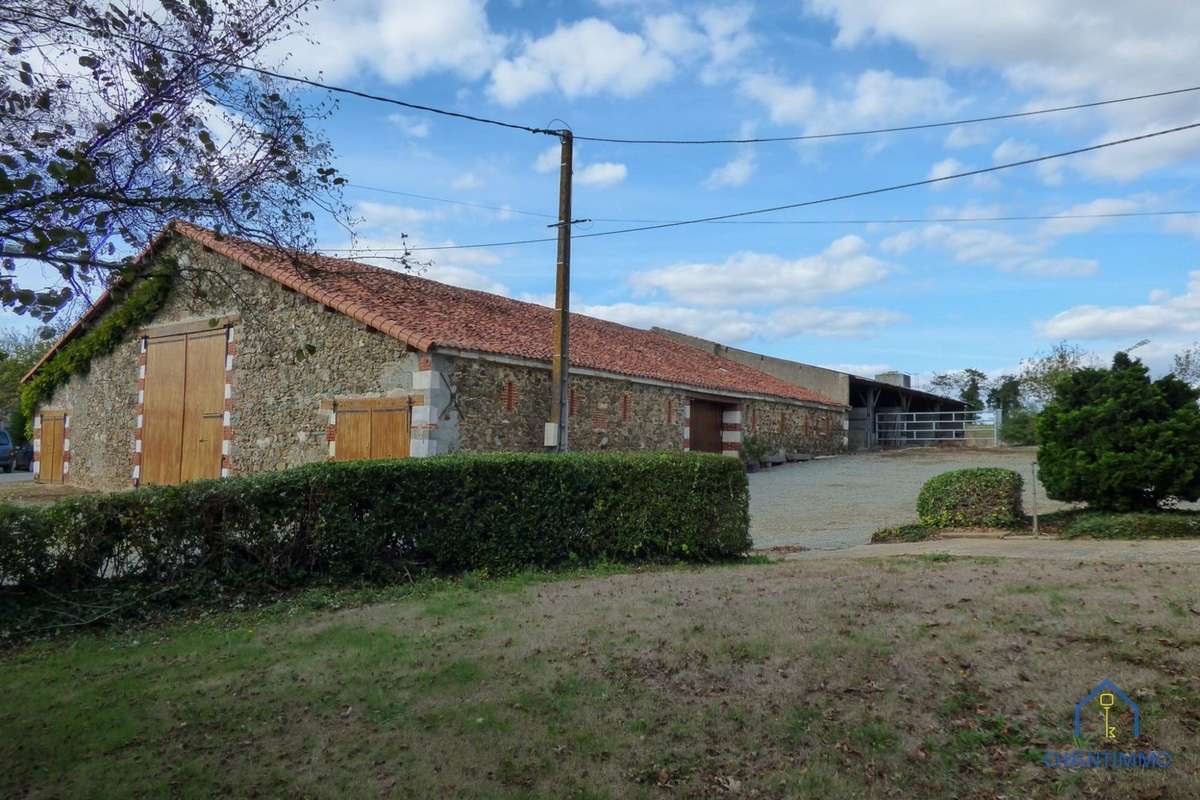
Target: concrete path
[(1156, 551)]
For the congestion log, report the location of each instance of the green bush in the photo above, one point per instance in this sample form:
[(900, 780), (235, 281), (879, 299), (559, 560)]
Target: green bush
[(903, 533), (374, 519), (1160, 525), (987, 497), (1019, 427), (1119, 441)]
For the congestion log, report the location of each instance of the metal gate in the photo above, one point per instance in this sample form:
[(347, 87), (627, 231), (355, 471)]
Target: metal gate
[(916, 428)]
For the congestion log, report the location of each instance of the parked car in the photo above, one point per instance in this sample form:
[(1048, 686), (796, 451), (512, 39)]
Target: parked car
[(24, 458), (8, 453)]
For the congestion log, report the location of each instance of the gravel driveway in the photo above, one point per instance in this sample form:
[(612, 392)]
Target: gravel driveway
[(839, 502)]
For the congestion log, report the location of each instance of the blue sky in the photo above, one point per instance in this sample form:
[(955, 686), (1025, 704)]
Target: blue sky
[(916, 297)]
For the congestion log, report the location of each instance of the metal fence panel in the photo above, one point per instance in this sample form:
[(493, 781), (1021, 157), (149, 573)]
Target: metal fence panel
[(907, 428)]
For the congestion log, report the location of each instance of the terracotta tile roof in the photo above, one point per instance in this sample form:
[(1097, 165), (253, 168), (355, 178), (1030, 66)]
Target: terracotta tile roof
[(427, 315)]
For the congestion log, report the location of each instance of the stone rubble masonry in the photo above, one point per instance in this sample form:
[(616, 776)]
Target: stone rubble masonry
[(279, 407), (797, 429)]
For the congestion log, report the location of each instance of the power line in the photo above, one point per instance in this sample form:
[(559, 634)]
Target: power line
[(613, 140), (898, 128), (834, 198), (366, 251), (917, 220), (452, 202), (897, 187), (295, 78), (852, 221)]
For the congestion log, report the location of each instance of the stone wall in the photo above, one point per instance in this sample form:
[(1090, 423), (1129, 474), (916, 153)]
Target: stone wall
[(504, 407), (800, 429), (277, 387), (291, 356)]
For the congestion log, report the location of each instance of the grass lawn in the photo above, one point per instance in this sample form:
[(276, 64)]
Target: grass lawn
[(909, 678)]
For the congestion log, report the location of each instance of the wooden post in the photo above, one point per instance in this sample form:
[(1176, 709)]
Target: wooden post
[(560, 365)]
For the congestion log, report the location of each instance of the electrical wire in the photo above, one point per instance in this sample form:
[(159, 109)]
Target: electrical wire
[(612, 140), (452, 202), (833, 198), (296, 78), (898, 128)]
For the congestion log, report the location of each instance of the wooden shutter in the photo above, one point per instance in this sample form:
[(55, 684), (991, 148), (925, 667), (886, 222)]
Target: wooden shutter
[(50, 456), (372, 429), (353, 435)]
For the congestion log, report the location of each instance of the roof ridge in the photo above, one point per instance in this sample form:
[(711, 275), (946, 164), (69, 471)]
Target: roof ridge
[(422, 313)]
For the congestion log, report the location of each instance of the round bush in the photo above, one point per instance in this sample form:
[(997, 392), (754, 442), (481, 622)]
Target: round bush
[(987, 497)]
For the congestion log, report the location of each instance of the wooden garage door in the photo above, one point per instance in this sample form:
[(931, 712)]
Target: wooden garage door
[(183, 407), (705, 426), (50, 454), (366, 432)]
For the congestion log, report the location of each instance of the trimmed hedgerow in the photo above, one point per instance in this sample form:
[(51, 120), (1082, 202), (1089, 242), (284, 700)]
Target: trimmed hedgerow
[(372, 520), (1154, 525), (986, 497)]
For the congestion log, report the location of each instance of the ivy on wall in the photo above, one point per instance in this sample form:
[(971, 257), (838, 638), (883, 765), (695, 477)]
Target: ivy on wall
[(132, 308)]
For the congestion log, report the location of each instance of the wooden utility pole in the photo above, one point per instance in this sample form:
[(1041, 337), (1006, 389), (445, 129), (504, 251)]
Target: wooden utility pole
[(556, 429)]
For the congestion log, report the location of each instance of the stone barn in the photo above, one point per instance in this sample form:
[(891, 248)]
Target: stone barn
[(260, 360)]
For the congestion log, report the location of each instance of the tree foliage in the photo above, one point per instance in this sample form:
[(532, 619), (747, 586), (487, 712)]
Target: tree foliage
[(1187, 364), (1004, 393), (1119, 441), (968, 385), (118, 119), (1040, 374)]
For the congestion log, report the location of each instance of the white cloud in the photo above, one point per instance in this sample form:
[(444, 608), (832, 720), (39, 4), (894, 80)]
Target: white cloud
[(723, 325), (466, 181), (410, 126), (396, 41), (874, 97), (944, 168), (1012, 150), (961, 136), (585, 58), (862, 370), (735, 172), (601, 174), (675, 35), (787, 104), (1189, 224), (1170, 315), (464, 277), (1101, 205), (385, 216), (731, 325), (548, 160), (752, 278), (1060, 51)]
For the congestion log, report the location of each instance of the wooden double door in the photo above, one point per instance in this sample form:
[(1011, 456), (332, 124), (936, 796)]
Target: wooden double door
[(183, 407)]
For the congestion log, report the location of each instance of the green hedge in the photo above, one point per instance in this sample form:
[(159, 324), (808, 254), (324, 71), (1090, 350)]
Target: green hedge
[(986, 497), (1155, 525), (374, 519)]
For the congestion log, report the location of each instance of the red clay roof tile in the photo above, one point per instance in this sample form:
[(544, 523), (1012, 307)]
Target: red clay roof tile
[(428, 315)]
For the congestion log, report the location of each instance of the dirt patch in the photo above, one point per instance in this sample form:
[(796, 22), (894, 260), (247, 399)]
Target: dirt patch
[(31, 493)]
